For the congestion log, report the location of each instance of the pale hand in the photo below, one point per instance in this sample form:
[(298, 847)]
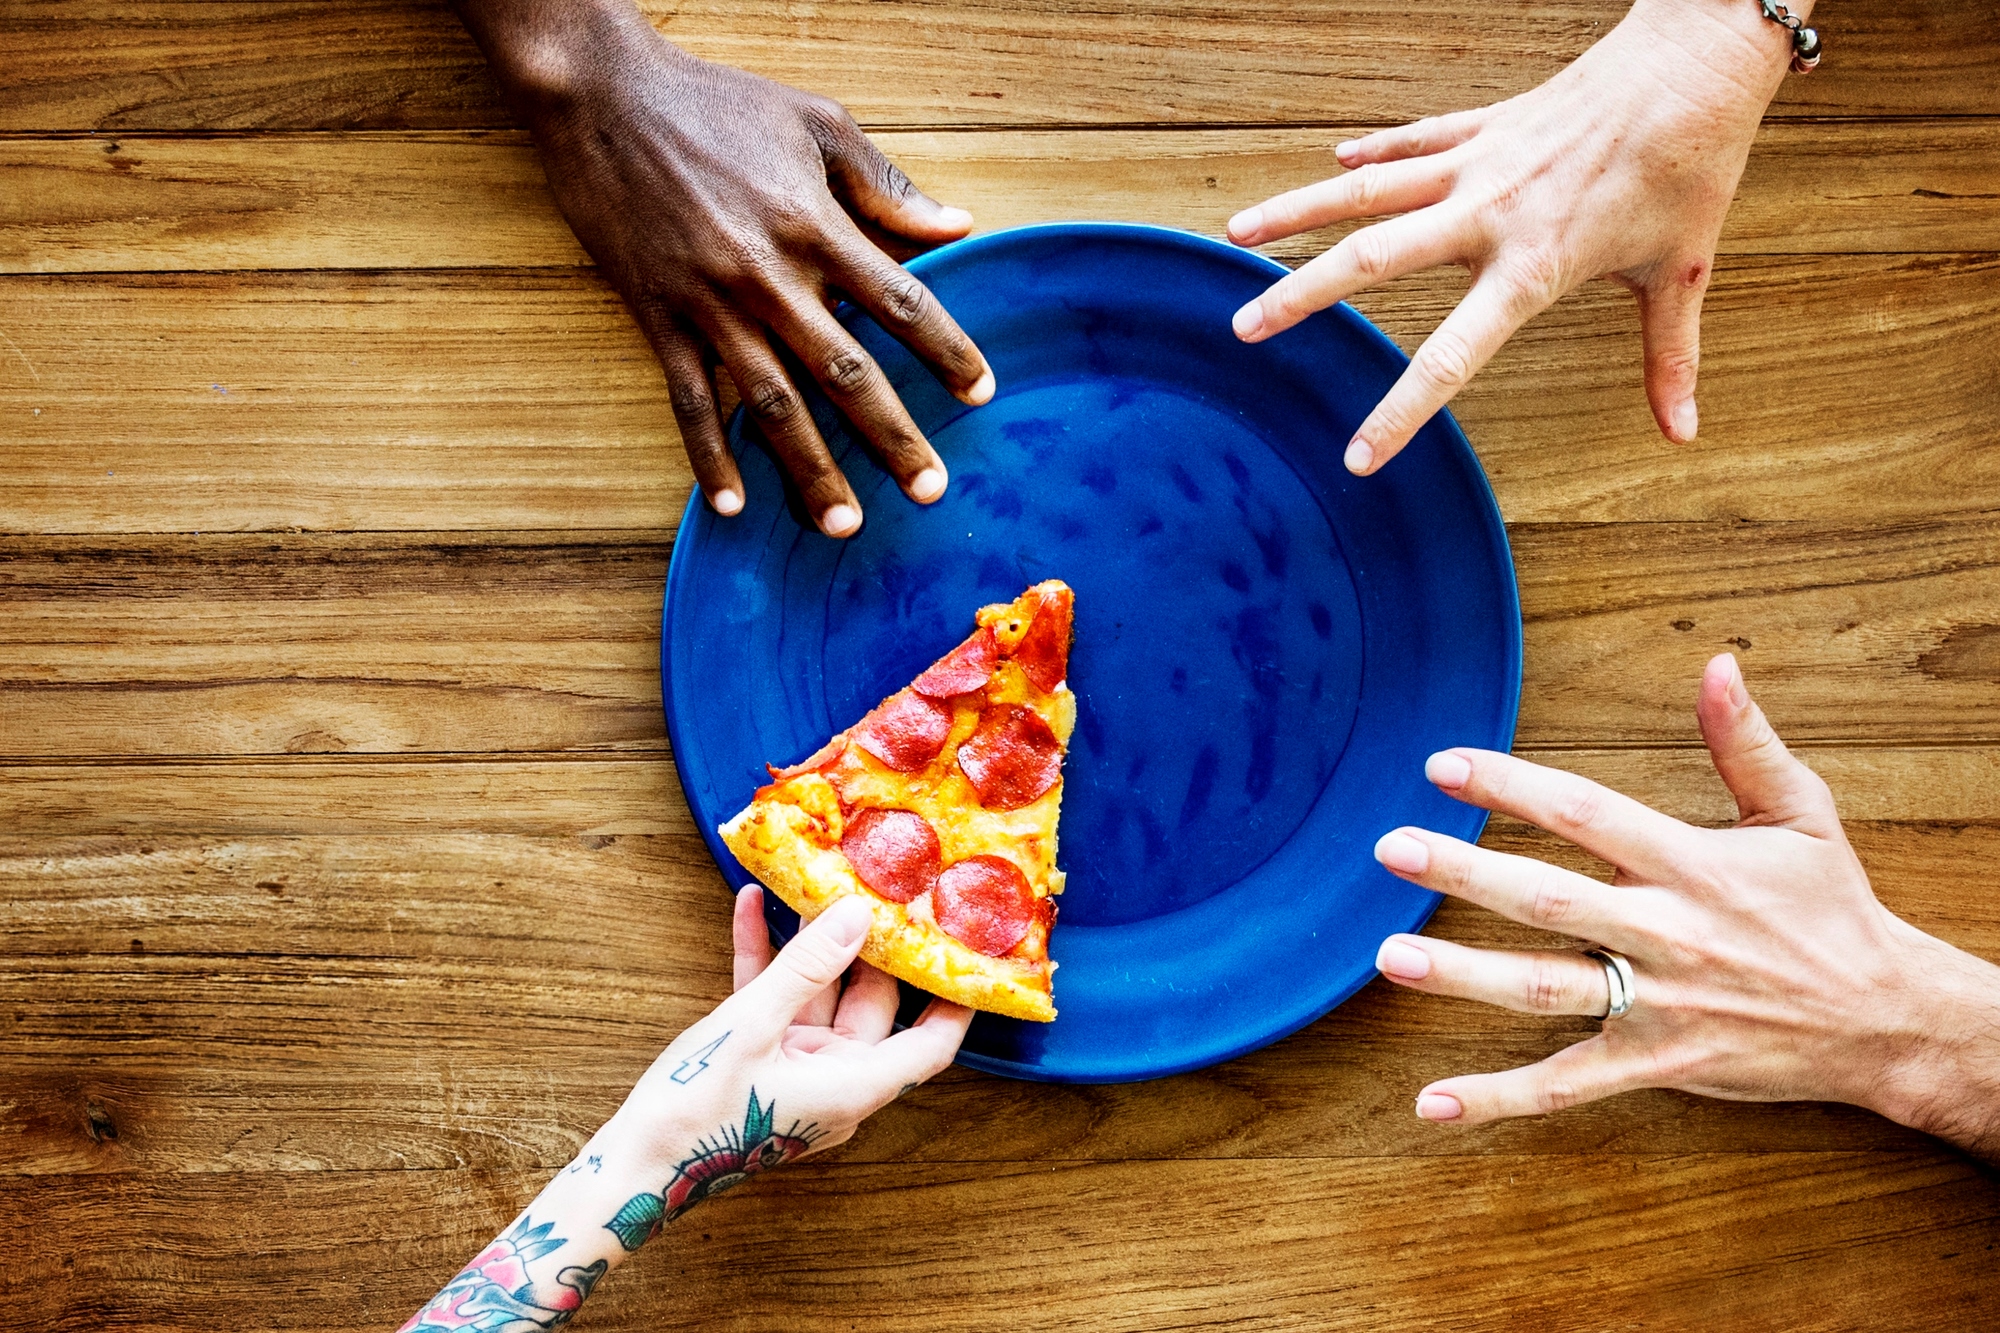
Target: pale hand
[(788, 1065), (1621, 166), (1766, 968)]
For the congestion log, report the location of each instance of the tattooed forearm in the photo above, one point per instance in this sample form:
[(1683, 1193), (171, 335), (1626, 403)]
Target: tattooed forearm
[(495, 1293), (727, 1159)]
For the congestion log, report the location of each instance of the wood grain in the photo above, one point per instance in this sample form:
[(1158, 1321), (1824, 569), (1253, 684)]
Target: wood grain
[(376, 1003), (228, 64), (319, 201), (345, 883), (1739, 1240), (535, 643), (587, 795), (511, 399)]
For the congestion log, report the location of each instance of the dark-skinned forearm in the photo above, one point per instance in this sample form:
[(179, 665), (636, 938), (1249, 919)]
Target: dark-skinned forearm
[(543, 50)]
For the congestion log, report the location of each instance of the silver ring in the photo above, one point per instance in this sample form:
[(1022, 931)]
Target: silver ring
[(1618, 976)]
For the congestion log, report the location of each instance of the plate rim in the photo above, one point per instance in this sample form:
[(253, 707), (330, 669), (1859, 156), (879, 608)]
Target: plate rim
[(1494, 526)]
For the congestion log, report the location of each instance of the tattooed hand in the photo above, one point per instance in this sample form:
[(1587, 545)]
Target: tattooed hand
[(789, 1064)]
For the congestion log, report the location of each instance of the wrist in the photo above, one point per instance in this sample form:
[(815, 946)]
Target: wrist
[(1730, 36), (548, 55), (1942, 1074)]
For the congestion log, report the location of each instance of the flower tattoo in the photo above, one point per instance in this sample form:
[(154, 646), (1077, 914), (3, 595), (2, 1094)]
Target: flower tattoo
[(494, 1294), (716, 1164)]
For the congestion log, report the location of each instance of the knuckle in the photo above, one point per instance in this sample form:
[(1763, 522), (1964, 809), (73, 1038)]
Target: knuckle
[(903, 299), (847, 370), (773, 401), (693, 403), (1286, 299), (1552, 901), (1680, 363), (1365, 187), (1369, 254), (1445, 361), (1538, 270), (1556, 1095), (1547, 988), (1578, 806), (815, 959), (895, 181)]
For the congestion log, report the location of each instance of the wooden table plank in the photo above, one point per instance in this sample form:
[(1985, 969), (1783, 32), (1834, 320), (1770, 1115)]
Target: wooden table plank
[(371, 1003), (528, 793), (229, 64), (539, 642), (1836, 388), (1737, 1240), (478, 200)]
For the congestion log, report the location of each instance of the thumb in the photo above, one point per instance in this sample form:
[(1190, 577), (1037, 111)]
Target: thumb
[(1670, 326), (1769, 784), (813, 961), (874, 189)]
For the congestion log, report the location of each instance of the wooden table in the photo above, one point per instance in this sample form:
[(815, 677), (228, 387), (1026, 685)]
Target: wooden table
[(347, 885)]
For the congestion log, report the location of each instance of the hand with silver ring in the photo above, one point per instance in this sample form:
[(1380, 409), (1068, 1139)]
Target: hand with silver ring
[(1761, 965)]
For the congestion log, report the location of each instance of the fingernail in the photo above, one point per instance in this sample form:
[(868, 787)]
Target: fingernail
[(1359, 457), (1397, 959), (1400, 851), (1686, 419), (955, 217), (928, 484), (848, 920), (981, 392), (839, 520), (1739, 693), (1345, 150), (1448, 770), (1247, 222), (726, 502), (1249, 321), (1438, 1106)]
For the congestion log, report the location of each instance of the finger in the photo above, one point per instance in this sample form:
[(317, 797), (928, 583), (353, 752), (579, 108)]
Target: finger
[(1544, 981), (751, 936), (1670, 328), (781, 414), (919, 1052), (1769, 783), (1361, 259), (862, 392), (1574, 1075), (1433, 134), (695, 411), (909, 313), (1608, 825), (1519, 888), (1369, 191), (872, 186), (867, 1009), (806, 968), (1456, 351)]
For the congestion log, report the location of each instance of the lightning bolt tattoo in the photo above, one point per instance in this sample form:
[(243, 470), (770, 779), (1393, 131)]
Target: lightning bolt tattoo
[(694, 1064)]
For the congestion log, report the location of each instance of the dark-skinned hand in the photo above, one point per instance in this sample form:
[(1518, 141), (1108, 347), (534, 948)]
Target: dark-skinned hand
[(732, 213)]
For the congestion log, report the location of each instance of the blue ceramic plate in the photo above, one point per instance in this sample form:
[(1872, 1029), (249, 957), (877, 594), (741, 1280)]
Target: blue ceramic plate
[(1266, 647)]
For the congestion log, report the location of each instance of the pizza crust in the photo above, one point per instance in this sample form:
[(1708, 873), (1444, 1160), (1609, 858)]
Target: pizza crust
[(776, 842)]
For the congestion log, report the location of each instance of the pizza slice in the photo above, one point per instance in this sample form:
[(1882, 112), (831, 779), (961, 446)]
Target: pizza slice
[(939, 807)]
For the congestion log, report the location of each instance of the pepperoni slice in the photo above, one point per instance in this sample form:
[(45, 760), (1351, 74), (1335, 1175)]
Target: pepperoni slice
[(962, 670), (906, 732), (895, 852), (984, 903), (1043, 652), (1012, 759)]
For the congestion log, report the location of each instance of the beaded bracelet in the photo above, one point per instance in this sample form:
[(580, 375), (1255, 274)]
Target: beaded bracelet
[(1805, 42)]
